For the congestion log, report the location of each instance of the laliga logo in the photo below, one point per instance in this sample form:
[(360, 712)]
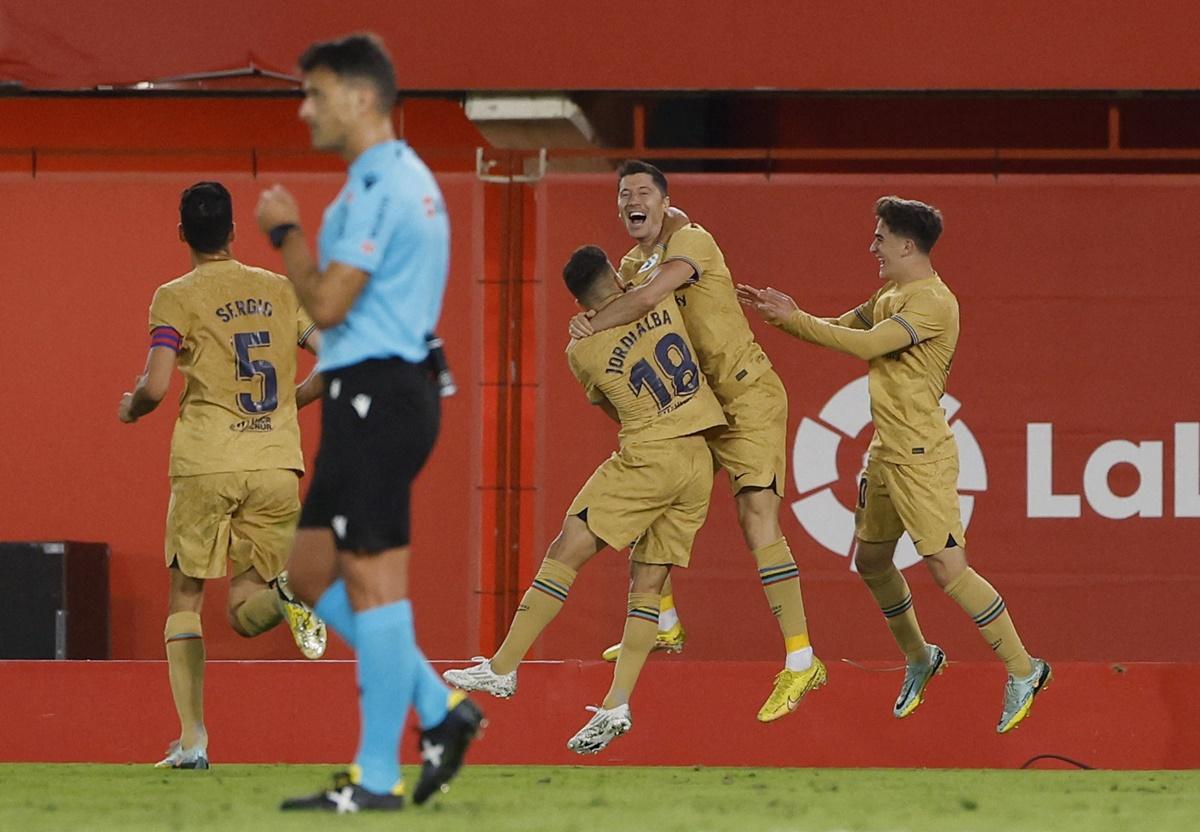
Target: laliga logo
[(814, 469)]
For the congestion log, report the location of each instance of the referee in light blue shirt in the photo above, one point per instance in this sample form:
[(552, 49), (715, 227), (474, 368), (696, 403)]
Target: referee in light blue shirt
[(375, 291)]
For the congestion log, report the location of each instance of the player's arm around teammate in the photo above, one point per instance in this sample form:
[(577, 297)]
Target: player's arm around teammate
[(638, 300), (686, 262), (654, 490)]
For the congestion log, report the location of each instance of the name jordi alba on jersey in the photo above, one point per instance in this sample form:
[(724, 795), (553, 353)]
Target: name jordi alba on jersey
[(648, 371)]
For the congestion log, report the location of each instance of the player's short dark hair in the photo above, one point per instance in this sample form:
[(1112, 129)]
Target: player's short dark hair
[(206, 214), (360, 56), (917, 221), (631, 166), (587, 265)]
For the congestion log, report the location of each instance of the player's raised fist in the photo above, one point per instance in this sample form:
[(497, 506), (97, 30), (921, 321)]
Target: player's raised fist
[(276, 207), (125, 409)]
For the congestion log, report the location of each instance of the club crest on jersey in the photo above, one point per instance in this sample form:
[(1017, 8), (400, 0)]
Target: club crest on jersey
[(650, 263)]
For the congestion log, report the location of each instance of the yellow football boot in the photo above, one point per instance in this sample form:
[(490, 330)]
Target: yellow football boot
[(790, 687), (308, 630)]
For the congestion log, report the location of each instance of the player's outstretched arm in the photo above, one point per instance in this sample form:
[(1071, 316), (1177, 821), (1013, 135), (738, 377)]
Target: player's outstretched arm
[(851, 320), (637, 302), (779, 310), (151, 386)]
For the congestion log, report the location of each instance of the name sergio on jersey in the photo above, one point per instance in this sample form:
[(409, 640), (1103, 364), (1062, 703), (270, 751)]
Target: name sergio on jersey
[(616, 361), (242, 308)]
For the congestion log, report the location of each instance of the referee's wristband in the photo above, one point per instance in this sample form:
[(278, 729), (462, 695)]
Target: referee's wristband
[(279, 233)]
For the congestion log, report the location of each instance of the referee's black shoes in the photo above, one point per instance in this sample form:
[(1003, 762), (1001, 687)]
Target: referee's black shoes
[(345, 797), (444, 745)]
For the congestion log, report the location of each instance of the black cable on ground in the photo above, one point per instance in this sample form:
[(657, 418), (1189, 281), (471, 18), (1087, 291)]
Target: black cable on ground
[(1060, 757)]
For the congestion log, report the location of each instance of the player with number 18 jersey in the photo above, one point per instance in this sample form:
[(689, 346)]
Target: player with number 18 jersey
[(648, 372)]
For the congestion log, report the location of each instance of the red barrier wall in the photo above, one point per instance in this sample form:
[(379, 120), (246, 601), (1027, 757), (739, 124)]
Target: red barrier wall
[(1122, 717), (83, 255), (1078, 308), (248, 135), (703, 44)]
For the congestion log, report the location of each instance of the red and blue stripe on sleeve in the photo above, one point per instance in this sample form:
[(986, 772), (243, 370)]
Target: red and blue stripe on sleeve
[(165, 336)]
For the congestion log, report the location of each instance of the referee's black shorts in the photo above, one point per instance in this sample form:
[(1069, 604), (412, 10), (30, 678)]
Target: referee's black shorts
[(379, 420)]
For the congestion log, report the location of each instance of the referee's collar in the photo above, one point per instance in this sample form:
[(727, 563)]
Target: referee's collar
[(375, 154)]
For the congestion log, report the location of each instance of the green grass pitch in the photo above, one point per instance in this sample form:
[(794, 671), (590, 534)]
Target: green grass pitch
[(228, 798)]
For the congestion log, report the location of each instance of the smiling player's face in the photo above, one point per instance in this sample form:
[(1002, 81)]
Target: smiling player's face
[(641, 206), (890, 250)]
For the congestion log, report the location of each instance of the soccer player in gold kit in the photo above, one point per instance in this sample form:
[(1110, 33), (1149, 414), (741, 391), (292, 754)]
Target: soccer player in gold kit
[(235, 454), (908, 332), (654, 490), (688, 264)]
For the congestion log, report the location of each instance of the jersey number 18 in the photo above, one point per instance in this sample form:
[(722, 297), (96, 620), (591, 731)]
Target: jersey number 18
[(674, 359)]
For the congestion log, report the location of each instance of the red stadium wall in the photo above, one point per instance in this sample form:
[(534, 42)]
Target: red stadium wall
[(1078, 308), (83, 254), (1078, 311), (1131, 716), (252, 135), (705, 44)]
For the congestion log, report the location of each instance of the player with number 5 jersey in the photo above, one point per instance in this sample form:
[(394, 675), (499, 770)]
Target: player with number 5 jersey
[(236, 462), (240, 326)]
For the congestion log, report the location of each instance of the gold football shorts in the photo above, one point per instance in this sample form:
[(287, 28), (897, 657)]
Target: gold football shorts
[(651, 495), (247, 518), (920, 499), (752, 448)]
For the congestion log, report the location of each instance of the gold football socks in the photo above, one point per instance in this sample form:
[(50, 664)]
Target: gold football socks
[(985, 606), (781, 582), (541, 603), (641, 626), (895, 601), (185, 665)]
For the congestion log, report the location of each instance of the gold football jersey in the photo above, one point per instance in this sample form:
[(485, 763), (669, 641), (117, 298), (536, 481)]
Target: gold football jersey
[(907, 386), (716, 324), (648, 371), (238, 328)]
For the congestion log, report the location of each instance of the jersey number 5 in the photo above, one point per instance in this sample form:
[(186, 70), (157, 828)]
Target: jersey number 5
[(673, 357), (249, 369)]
